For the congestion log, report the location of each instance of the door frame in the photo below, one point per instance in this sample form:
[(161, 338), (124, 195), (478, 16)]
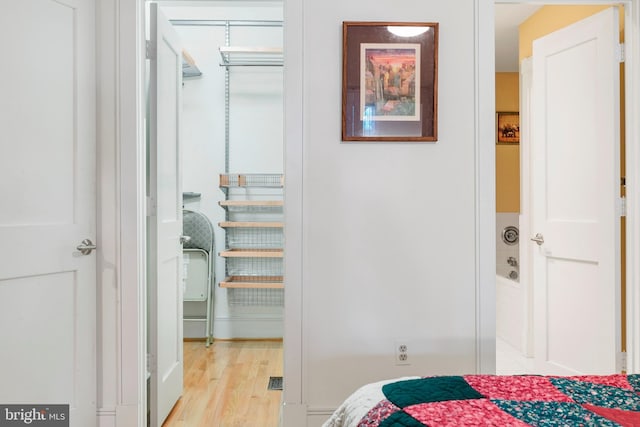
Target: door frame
[(525, 251), (128, 64)]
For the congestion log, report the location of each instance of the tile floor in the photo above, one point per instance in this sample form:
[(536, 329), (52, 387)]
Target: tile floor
[(510, 361)]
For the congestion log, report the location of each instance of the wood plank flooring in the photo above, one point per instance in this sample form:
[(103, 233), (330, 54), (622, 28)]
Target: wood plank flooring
[(225, 385)]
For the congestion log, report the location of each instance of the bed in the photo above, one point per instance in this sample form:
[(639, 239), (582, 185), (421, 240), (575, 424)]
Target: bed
[(493, 400)]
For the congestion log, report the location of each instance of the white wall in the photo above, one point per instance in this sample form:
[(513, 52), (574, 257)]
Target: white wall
[(256, 137), (510, 293), (389, 243)]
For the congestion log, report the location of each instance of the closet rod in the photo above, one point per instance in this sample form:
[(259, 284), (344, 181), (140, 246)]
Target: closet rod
[(251, 56), (223, 23), (252, 64), (251, 50)]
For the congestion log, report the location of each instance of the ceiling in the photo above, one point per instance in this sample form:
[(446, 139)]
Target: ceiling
[(508, 17)]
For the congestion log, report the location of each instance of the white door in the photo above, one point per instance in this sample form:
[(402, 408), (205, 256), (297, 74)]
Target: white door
[(165, 218), (48, 206), (575, 197)]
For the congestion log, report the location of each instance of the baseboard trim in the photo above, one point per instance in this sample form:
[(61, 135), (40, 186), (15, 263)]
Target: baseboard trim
[(248, 328), (293, 415), (106, 417), (316, 417), (276, 339), (320, 411)]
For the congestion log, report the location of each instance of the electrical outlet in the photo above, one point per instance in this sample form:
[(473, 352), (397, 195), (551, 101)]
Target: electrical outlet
[(402, 353)]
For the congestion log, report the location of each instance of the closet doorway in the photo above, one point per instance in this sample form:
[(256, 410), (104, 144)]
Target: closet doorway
[(231, 137)]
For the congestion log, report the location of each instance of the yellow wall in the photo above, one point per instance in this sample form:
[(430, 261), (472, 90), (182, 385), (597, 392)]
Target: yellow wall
[(507, 156), (551, 18)]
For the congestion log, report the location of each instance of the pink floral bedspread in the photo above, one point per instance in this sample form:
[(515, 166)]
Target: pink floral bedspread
[(491, 400)]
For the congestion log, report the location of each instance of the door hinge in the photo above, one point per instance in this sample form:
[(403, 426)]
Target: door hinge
[(151, 206), (622, 206), (150, 49), (151, 365), (621, 52), (622, 361)]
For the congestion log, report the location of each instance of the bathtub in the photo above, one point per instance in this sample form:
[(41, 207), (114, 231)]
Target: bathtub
[(510, 312)]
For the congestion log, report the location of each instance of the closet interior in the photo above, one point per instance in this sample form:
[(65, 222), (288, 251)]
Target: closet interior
[(232, 144)]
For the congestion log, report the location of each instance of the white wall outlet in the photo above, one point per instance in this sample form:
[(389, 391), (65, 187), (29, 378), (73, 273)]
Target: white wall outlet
[(402, 353)]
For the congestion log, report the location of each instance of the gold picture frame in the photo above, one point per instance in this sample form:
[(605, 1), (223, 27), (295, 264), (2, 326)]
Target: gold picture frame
[(508, 127)]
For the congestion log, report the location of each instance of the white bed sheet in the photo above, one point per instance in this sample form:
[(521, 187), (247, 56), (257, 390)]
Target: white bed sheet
[(356, 406)]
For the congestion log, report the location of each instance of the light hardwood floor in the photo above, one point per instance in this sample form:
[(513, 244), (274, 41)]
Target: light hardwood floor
[(225, 385)]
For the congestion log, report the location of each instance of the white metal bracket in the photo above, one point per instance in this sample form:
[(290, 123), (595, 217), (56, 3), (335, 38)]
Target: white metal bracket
[(151, 206), (622, 206), (150, 49), (151, 364), (622, 361)]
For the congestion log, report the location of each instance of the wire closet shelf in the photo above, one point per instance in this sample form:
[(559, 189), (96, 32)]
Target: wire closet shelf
[(254, 237), (251, 56)]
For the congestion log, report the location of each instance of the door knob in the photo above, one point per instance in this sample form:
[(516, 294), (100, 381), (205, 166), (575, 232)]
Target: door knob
[(86, 247), (538, 238), (184, 239)]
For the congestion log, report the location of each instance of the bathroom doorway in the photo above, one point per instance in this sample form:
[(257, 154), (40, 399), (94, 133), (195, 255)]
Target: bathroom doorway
[(514, 305), (511, 325)]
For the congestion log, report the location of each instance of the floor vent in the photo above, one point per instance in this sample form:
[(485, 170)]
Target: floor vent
[(275, 383)]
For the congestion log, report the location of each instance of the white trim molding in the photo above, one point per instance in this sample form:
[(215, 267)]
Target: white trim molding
[(526, 77), (122, 355), (234, 327), (106, 417), (632, 141), (131, 131), (294, 409), (485, 194)]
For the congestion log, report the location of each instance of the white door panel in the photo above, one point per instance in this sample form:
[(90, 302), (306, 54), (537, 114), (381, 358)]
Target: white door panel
[(48, 192), (165, 225), (575, 188)]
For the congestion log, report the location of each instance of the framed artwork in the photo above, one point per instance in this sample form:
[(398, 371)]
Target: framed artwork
[(389, 81), (507, 127)]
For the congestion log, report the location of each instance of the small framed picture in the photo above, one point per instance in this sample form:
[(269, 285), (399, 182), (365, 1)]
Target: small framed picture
[(389, 81), (507, 128)]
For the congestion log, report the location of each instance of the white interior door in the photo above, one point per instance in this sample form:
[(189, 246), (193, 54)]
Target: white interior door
[(165, 218), (575, 197), (48, 190)]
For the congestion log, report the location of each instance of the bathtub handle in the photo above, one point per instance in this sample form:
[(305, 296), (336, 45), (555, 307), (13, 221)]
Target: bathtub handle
[(538, 238)]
